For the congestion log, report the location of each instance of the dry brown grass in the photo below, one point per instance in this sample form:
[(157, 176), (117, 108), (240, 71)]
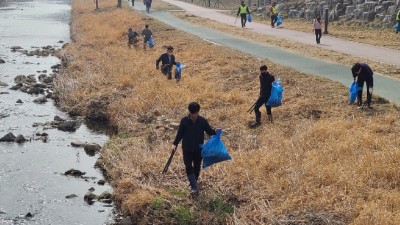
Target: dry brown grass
[(312, 51), (321, 162)]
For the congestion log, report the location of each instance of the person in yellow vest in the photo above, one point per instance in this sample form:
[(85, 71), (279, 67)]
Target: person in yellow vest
[(398, 21), (274, 14), (243, 10)]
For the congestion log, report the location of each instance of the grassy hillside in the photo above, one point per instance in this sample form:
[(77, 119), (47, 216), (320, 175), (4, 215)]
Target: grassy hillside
[(321, 162)]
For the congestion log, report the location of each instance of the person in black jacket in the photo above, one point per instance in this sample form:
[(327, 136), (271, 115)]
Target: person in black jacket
[(167, 61), (363, 73), (191, 132), (266, 80)]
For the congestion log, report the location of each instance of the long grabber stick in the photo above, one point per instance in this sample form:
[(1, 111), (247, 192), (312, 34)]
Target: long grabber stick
[(169, 160), (236, 19), (252, 108)]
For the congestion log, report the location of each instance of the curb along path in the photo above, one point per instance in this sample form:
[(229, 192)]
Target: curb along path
[(383, 86)]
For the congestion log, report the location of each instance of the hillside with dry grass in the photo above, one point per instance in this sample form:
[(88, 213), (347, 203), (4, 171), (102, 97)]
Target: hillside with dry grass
[(322, 161)]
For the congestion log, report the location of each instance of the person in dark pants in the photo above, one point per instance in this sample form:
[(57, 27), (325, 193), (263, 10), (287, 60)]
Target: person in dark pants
[(191, 132), (274, 14), (266, 81), (167, 61), (146, 32), (363, 73), (148, 5), (243, 10), (132, 38), (133, 2), (317, 28)]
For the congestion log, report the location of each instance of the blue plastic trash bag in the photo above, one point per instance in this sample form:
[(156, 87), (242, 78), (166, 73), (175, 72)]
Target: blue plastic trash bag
[(249, 18), (150, 42), (275, 99), (396, 26), (178, 70), (214, 151), (278, 20), (353, 92)]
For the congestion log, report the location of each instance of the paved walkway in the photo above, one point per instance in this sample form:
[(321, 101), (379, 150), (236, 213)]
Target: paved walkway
[(385, 87), (379, 54)]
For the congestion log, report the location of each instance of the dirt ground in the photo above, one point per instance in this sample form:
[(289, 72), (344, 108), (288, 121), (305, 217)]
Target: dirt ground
[(322, 161)]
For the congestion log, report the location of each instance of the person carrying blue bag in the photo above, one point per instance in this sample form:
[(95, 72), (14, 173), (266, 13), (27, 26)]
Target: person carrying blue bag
[(243, 11), (214, 151), (353, 92), (364, 74), (178, 71), (275, 99), (191, 132), (266, 80)]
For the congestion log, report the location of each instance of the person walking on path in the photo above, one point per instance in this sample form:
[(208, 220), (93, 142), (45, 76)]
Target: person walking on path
[(317, 28), (191, 132), (132, 38), (363, 73), (133, 2), (398, 21), (167, 61), (266, 80), (147, 34), (148, 5), (243, 11), (274, 14)]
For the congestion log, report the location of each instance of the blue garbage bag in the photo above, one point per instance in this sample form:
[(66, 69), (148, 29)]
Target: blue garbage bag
[(178, 70), (150, 42), (278, 20), (275, 99), (249, 18), (214, 151), (396, 26), (353, 92)]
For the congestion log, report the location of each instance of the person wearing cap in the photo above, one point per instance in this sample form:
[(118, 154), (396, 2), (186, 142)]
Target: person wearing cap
[(274, 14), (364, 74), (167, 61), (243, 11), (191, 132), (266, 80), (147, 34)]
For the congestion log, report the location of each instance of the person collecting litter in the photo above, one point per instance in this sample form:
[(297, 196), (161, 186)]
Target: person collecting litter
[(274, 14), (317, 28), (243, 11), (363, 73), (191, 132), (167, 61), (132, 38), (266, 80), (146, 32)]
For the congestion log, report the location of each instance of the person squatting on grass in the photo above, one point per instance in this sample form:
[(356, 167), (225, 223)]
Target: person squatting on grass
[(146, 32), (132, 38), (191, 132), (274, 14), (317, 28), (266, 80), (167, 61), (363, 73), (243, 10)]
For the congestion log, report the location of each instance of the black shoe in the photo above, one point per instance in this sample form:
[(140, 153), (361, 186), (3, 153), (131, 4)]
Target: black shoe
[(254, 124)]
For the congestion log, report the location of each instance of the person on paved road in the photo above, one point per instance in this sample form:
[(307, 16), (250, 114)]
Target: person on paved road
[(191, 132), (167, 62), (148, 5), (146, 32), (363, 73), (317, 28), (274, 14), (266, 80), (243, 11)]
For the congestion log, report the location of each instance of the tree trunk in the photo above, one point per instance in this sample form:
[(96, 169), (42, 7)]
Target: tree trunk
[(119, 4), (97, 4)]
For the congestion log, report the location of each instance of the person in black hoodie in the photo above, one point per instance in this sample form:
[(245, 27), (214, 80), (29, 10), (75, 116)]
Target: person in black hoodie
[(167, 61), (191, 132), (266, 81), (363, 73)]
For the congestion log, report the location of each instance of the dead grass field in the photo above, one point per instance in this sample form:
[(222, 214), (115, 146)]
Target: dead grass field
[(321, 162)]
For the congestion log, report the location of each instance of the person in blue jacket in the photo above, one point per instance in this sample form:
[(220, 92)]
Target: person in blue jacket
[(364, 74), (191, 132), (266, 80), (167, 62)]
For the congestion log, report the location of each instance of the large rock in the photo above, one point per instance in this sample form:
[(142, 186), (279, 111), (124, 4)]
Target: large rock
[(368, 16), (379, 9), (35, 90), (2, 61), (69, 125), (74, 172), (358, 13), (8, 138), (309, 14), (105, 195), (311, 5), (387, 4), (293, 13), (89, 197), (40, 100), (392, 10), (350, 10), (20, 139), (2, 84), (379, 17), (370, 6), (92, 149)]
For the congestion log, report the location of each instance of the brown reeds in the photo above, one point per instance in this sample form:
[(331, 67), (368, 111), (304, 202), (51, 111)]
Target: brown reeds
[(322, 161)]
